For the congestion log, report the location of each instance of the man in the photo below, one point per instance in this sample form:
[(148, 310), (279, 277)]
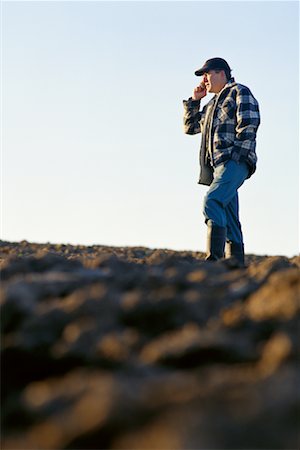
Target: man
[(228, 123)]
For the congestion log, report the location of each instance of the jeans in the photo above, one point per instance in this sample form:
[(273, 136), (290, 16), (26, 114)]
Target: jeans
[(221, 203)]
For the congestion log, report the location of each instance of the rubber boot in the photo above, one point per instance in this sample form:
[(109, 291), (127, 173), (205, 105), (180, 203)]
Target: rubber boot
[(235, 252), (215, 241)]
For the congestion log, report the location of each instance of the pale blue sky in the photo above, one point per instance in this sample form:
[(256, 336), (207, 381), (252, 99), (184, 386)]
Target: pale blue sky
[(93, 147)]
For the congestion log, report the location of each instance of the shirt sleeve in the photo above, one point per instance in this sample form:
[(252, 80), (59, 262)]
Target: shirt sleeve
[(247, 122), (192, 116)]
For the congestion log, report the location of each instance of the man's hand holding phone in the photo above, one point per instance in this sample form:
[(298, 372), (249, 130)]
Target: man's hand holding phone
[(199, 91)]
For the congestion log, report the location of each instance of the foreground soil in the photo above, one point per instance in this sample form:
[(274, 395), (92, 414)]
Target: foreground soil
[(138, 348)]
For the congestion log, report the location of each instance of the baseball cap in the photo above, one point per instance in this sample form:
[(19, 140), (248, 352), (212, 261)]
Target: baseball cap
[(213, 64)]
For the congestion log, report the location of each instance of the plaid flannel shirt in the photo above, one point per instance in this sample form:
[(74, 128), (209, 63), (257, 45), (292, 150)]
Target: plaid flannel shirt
[(232, 133)]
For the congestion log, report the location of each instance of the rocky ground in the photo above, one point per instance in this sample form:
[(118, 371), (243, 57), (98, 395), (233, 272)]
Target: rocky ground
[(137, 348)]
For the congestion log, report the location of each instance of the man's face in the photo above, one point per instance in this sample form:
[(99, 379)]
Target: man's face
[(214, 80)]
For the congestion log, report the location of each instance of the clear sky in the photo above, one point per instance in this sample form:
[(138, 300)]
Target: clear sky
[(93, 149)]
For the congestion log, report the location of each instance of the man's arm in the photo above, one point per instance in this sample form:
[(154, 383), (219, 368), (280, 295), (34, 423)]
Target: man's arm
[(247, 123), (192, 116)]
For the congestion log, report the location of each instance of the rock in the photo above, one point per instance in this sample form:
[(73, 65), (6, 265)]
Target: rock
[(22, 266), (192, 347), (278, 298)]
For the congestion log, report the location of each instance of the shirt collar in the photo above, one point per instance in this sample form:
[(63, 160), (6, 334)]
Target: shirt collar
[(229, 83)]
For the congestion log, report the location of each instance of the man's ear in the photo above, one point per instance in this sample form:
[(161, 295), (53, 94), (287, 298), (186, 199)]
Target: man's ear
[(224, 74)]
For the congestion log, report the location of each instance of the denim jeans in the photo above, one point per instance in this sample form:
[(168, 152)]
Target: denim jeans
[(221, 203)]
